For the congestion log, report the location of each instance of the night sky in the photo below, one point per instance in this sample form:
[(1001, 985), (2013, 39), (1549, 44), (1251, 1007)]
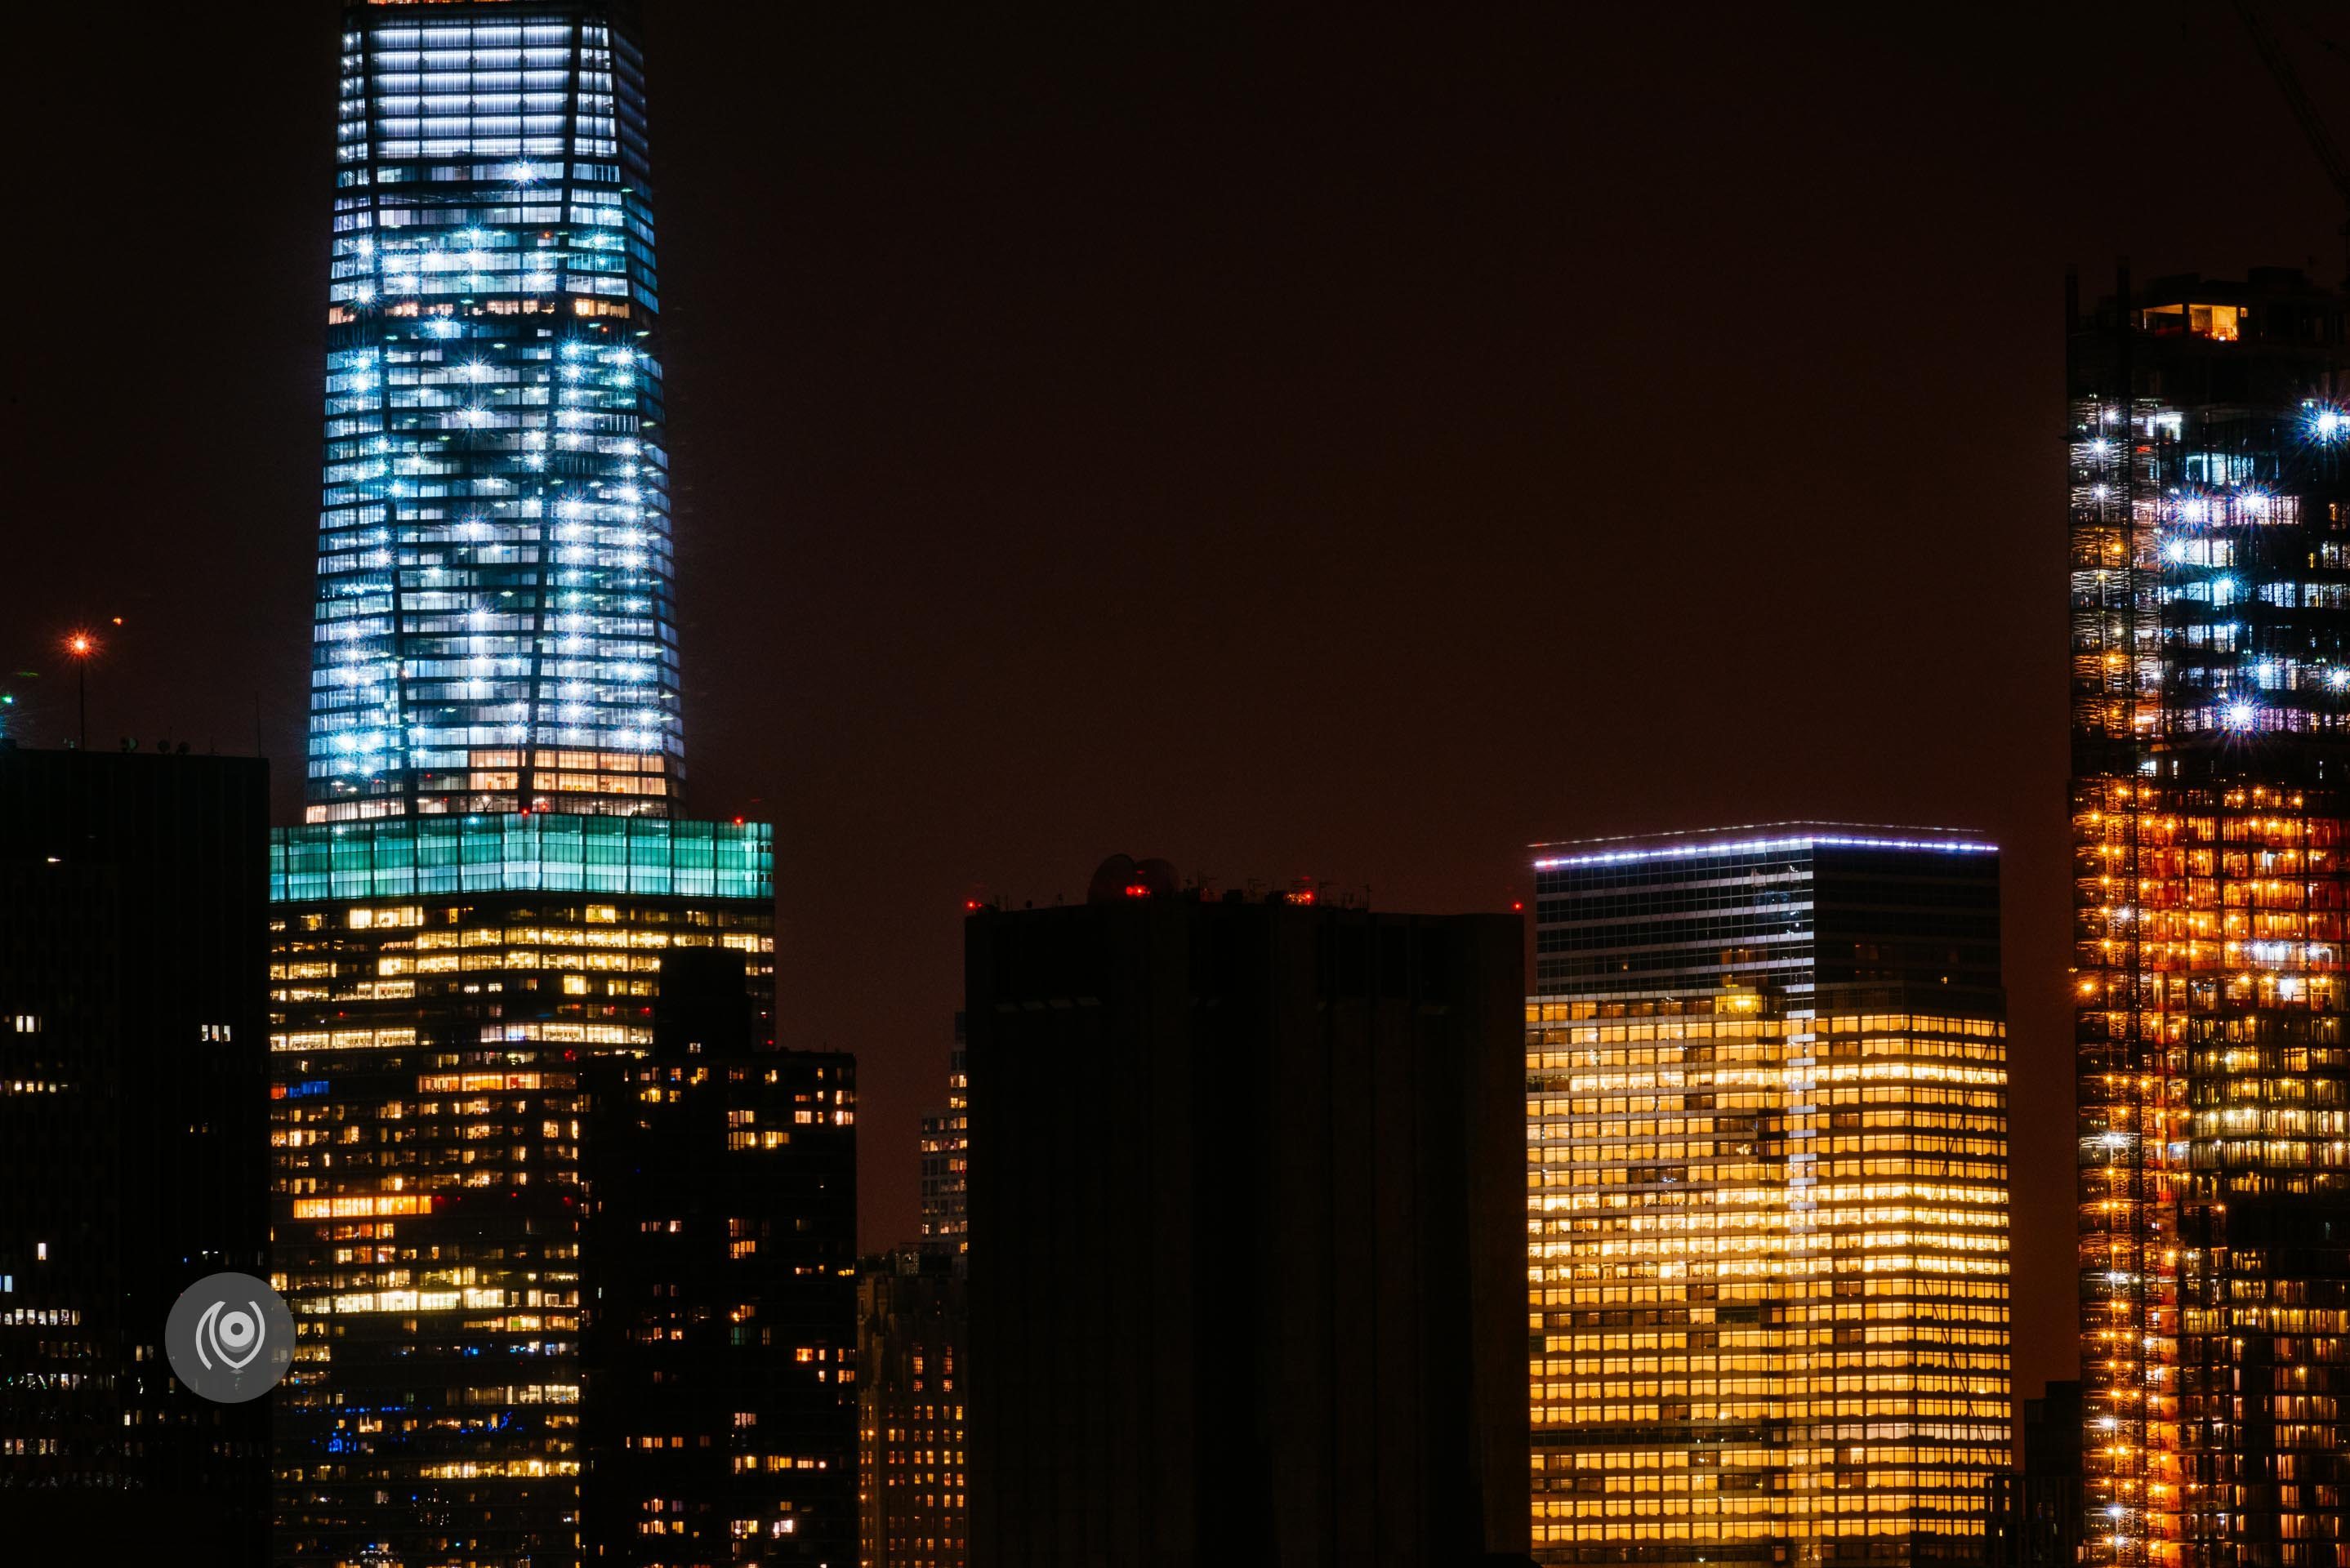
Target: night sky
[(1349, 444)]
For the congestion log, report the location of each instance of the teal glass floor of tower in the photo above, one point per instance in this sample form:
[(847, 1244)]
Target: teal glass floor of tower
[(495, 625)]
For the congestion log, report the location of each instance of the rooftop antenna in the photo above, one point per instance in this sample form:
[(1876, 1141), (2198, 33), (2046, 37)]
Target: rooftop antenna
[(81, 646)]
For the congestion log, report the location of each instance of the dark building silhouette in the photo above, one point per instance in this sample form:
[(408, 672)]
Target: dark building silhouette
[(2208, 517), (134, 1147), (2038, 1517), (912, 1312), (719, 1281), (1247, 1232)]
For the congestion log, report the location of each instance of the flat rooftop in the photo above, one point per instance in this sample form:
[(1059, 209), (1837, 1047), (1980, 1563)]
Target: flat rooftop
[(1759, 836)]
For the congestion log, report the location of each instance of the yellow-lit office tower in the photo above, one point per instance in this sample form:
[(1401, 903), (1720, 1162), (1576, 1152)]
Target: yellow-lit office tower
[(1767, 1202)]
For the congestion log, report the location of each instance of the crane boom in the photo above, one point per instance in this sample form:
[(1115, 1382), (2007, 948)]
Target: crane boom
[(2288, 81)]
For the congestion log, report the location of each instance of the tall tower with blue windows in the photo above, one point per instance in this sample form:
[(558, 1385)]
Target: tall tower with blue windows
[(495, 894), (495, 626)]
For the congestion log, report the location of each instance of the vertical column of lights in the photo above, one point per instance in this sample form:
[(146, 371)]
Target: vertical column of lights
[(495, 630), (2128, 1254), (1808, 1228), (2261, 1043)]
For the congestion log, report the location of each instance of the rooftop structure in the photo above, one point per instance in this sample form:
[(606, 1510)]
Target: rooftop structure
[(1786, 905)]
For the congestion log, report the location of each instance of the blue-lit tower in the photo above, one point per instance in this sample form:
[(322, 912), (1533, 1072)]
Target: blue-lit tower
[(496, 893), (496, 627)]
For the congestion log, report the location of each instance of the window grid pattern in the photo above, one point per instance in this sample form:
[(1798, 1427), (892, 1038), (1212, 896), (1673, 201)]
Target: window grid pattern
[(1770, 1279), (521, 853), (495, 625), (2211, 663), (427, 1096)]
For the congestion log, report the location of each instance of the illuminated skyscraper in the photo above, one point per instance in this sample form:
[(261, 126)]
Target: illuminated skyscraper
[(495, 628), (1766, 1092), (2210, 515), (471, 929), (442, 988)]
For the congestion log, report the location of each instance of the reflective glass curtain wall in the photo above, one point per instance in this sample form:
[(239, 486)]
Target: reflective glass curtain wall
[(495, 625)]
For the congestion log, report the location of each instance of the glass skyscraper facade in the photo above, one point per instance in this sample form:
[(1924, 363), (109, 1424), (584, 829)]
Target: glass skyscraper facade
[(476, 934), (2210, 532), (495, 628), (1768, 1208)]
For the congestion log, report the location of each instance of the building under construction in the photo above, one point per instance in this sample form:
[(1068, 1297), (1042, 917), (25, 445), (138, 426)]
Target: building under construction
[(2211, 646)]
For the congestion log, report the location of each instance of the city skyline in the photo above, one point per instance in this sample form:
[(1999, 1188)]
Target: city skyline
[(849, 525)]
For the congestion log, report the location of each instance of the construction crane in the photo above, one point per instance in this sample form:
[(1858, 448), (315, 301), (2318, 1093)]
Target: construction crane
[(2321, 139)]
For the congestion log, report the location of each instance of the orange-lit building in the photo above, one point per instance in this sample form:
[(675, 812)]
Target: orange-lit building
[(718, 1264), (2209, 522), (911, 1310), (441, 988), (946, 1160), (1767, 1198)]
